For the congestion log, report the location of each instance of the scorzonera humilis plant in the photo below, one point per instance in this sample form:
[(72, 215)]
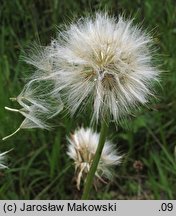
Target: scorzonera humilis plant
[(100, 61)]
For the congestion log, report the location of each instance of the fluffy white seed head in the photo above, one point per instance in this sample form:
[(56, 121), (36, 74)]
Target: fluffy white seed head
[(106, 62), (102, 62), (81, 149)]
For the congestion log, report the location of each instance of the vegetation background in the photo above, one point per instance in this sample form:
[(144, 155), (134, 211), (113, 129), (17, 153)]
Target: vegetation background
[(38, 165)]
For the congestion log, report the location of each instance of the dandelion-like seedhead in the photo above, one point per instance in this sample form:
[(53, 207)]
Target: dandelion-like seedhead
[(82, 148), (2, 158), (102, 62), (106, 62)]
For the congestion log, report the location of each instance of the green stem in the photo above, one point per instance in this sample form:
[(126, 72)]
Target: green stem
[(91, 174)]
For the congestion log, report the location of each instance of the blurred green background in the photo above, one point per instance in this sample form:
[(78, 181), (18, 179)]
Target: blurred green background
[(38, 165)]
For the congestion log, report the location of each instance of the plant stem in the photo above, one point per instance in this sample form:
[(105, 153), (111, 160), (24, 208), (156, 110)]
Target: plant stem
[(91, 174)]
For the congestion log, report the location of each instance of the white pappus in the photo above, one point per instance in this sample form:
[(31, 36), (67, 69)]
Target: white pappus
[(81, 149)]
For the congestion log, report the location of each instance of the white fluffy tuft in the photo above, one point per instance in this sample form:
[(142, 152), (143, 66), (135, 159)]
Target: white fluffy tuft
[(100, 61), (82, 148), (106, 62)]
